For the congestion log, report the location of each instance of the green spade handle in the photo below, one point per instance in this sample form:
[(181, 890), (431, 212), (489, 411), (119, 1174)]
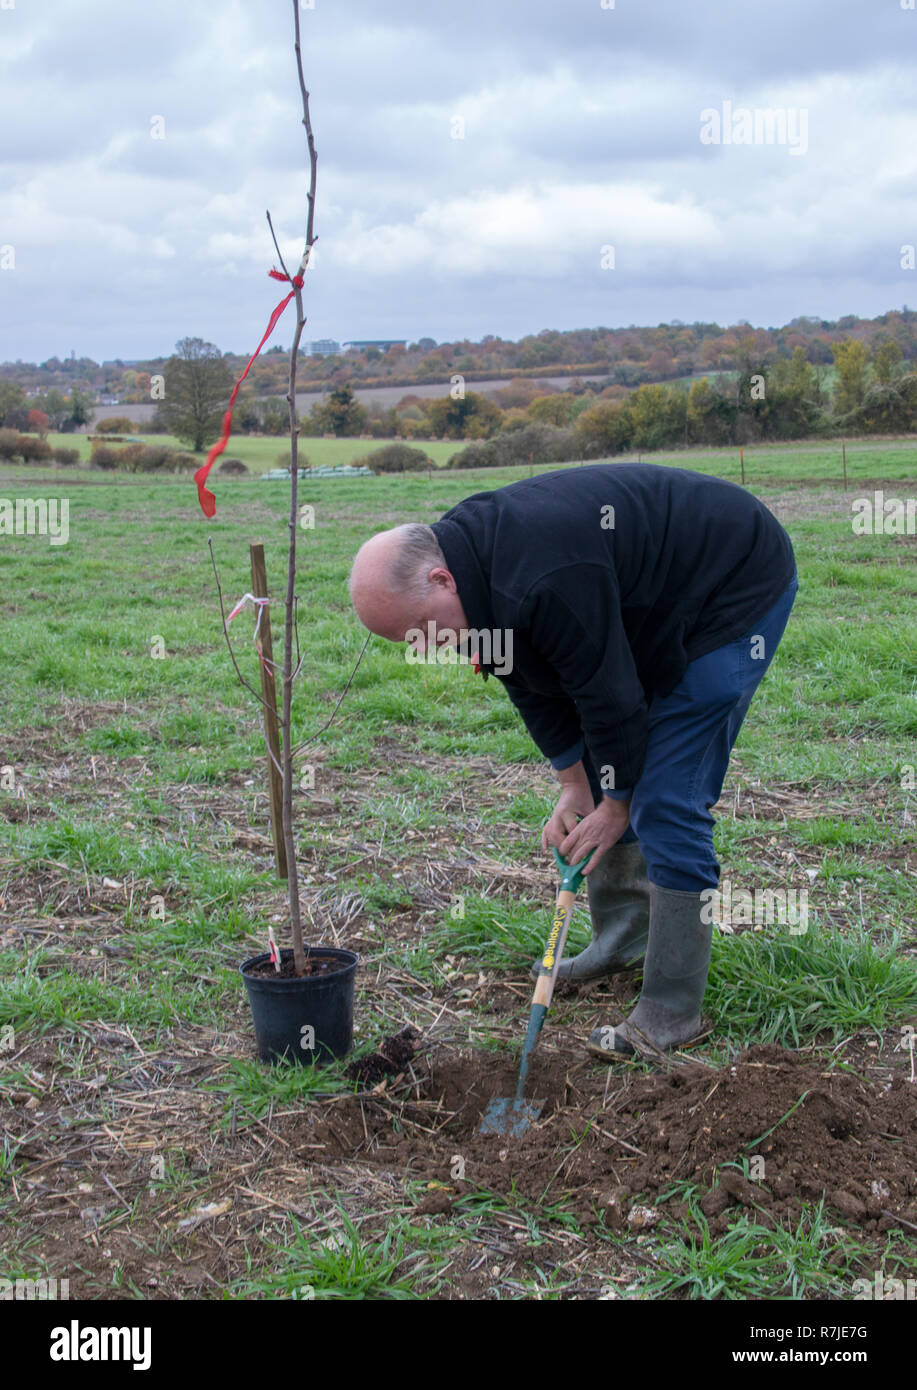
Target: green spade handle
[(571, 875)]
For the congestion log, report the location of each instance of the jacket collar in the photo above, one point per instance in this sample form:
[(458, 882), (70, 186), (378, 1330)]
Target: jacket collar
[(464, 565)]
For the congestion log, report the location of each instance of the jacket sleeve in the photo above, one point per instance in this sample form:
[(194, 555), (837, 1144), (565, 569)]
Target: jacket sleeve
[(573, 620), (553, 723)]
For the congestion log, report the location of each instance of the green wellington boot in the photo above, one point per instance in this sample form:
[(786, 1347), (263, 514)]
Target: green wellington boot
[(619, 904), (674, 979)]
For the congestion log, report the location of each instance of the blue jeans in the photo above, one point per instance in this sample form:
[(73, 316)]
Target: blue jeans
[(691, 734)]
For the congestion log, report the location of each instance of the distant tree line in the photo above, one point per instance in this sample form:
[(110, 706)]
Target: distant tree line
[(764, 401), (622, 357), (863, 390), (41, 413)]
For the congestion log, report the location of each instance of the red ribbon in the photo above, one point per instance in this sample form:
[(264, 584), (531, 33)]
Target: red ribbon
[(206, 498)]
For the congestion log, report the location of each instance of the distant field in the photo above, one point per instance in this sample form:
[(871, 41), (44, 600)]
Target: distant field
[(890, 459), (384, 395), (261, 453), (827, 376)]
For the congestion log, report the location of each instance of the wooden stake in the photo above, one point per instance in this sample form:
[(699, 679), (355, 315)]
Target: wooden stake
[(742, 461), (269, 694), (844, 455)]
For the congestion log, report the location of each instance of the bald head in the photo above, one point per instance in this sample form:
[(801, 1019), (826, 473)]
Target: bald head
[(371, 587), (400, 581)]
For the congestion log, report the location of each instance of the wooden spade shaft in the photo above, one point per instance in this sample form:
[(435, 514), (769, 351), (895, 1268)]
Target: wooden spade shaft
[(557, 940), (547, 977)]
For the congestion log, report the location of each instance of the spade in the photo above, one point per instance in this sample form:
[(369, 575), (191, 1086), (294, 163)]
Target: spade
[(514, 1114)]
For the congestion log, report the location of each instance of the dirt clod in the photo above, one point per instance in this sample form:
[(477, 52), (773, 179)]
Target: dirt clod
[(390, 1058), (715, 1202), (847, 1204), (741, 1190)]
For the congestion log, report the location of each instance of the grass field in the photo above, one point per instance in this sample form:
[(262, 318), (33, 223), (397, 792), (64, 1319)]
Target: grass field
[(146, 1153)]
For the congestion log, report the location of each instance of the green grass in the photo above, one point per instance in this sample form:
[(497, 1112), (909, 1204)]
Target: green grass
[(764, 463), (422, 961), (753, 1261), (251, 1089), (773, 987), (8, 1152), (501, 932), (338, 1262), (154, 998), (94, 845), (861, 678)]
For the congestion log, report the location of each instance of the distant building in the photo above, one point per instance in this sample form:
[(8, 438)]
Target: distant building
[(383, 344), (324, 347)]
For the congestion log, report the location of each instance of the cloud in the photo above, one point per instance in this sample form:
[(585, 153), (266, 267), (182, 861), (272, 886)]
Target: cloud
[(580, 129)]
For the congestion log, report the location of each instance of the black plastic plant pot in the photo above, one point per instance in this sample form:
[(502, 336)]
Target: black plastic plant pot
[(305, 1018)]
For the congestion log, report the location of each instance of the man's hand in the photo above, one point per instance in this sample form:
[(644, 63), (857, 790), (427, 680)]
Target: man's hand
[(574, 804), (598, 831)]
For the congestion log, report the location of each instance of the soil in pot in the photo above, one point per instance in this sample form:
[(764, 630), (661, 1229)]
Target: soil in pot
[(316, 964)]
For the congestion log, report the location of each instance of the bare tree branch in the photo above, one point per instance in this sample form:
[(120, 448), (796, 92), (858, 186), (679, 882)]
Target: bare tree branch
[(311, 739), (307, 122), (277, 248)]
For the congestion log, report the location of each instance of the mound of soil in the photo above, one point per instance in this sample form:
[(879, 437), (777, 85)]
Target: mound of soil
[(606, 1137)]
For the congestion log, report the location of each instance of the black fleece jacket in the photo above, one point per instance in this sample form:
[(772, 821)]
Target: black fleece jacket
[(611, 578)]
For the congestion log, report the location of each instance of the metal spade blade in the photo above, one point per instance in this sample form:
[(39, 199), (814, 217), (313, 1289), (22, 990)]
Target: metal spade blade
[(510, 1116)]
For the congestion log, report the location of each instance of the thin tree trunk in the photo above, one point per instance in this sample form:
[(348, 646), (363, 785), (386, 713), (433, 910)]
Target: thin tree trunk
[(299, 955)]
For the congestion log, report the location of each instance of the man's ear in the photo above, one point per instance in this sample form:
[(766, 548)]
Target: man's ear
[(442, 578)]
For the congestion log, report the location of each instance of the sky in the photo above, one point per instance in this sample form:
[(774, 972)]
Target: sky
[(491, 167)]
